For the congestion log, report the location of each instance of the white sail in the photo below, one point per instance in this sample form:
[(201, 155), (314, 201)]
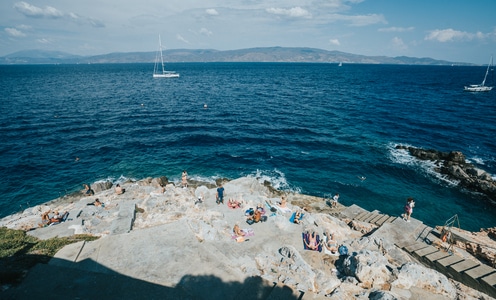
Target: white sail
[(481, 87), (159, 68)]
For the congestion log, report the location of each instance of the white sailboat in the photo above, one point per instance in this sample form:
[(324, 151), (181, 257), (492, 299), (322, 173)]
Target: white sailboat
[(481, 87), (159, 62)]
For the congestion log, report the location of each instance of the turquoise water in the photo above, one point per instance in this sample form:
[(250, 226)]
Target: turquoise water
[(309, 128)]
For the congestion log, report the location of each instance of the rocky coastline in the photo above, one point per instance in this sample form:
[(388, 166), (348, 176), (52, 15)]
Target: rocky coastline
[(167, 238), (454, 165)]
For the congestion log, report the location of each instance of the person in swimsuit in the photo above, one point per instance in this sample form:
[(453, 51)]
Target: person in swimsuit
[(312, 241), (331, 244), (184, 179)]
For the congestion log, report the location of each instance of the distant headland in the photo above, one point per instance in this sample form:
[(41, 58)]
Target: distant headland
[(262, 54)]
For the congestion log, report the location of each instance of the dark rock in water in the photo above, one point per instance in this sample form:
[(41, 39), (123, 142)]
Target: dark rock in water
[(454, 165)]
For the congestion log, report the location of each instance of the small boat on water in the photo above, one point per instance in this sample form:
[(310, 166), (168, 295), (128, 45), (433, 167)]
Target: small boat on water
[(159, 61), (481, 87)]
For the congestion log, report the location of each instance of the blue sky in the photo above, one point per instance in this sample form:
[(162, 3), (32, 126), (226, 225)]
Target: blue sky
[(453, 30)]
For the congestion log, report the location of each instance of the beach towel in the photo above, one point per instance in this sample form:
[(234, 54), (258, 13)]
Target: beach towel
[(282, 209), (325, 248), (293, 217), (272, 209), (305, 237), (247, 231)]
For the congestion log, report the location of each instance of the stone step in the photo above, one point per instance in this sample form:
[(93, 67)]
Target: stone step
[(125, 218), (467, 271)]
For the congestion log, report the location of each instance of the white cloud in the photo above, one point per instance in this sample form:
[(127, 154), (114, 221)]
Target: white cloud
[(205, 31), (451, 35), (397, 29), (398, 44), (43, 41), (181, 38), (359, 20), (212, 12), (14, 32), (53, 13), (295, 12), (37, 12), (334, 42)]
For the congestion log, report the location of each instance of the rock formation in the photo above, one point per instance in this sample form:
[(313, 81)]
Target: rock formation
[(167, 237), (454, 166)]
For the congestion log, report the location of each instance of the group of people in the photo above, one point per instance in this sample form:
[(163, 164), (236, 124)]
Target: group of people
[(256, 215), (312, 242), (56, 218)]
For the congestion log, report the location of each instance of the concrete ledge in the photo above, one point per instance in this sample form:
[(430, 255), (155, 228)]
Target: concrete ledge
[(353, 211), (488, 285), (416, 246), (472, 277), (376, 218), (433, 257), (455, 270), (443, 263), (66, 256), (420, 253), (370, 217), (382, 220), (125, 218)]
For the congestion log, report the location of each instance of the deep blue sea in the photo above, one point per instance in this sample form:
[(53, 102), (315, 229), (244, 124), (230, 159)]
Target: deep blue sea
[(309, 128)]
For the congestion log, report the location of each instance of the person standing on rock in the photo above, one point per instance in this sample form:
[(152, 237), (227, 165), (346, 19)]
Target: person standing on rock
[(335, 200), (184, 178), (220, 195), (410, 203)]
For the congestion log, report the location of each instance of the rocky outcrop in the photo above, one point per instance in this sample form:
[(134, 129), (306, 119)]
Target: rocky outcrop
[(454, 166), (166, 236)]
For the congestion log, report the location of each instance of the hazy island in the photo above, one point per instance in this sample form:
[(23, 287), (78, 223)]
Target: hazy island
[(265, 54)]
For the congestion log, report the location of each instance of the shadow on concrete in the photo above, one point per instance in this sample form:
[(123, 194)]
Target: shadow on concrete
[(61, 279)]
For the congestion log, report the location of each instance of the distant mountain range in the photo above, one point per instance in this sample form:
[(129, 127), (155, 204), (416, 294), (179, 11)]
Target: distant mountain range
[(269, 54)]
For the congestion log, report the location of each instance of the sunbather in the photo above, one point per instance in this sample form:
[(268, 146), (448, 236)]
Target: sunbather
[(237, 231), (330, 243), (298, 217), (312, 242), (232, 203), (96, 203)]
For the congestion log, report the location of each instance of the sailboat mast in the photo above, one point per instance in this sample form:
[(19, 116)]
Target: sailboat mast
[(487, 71), (161, 56)]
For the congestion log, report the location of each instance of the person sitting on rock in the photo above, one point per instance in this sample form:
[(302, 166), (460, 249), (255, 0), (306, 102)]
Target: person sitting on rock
[(45, 219), (261, 209), (87, 190), (254, 216), (283, 202), (119, 190)]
